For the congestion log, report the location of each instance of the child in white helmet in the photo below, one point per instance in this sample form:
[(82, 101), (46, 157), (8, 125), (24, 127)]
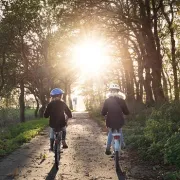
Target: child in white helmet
[(114, 109)]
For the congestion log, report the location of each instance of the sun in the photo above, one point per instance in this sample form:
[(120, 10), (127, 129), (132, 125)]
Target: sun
[(91, 56)]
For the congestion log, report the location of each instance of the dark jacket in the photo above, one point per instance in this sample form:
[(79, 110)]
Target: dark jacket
[(55, 110), (115, 108)]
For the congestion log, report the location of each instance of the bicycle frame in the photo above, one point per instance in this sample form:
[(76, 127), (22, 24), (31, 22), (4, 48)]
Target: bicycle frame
[(116, 143)]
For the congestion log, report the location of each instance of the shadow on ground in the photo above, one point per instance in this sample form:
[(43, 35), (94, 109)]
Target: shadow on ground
[(52, 173), (120, 174)]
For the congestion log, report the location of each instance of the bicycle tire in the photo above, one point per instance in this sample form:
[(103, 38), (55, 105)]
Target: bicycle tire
[(57, 155), (116, 158)]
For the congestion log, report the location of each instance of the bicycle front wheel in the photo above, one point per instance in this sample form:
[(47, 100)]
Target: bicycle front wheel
[(57, 155)]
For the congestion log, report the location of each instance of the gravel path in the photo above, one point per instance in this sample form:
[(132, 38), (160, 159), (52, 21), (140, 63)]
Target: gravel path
[(83, 160)]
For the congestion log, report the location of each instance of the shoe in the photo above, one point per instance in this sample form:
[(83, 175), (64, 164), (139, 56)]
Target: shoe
[(64, 145), (108, 152), (112, 155)]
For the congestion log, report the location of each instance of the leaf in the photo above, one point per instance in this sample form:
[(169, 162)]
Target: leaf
[(44, 156)]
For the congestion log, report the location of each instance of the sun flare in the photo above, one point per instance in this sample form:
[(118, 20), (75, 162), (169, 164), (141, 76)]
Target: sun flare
[(91, 56)]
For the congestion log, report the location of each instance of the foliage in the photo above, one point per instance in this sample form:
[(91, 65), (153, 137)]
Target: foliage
[(8, 116), (16, 135), (172, 150), (158, 138), (172, 175)]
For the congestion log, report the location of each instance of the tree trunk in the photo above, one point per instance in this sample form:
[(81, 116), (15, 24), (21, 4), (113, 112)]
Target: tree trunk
[(43, 105), (165, 86), (70, 102), (147, 86), (21, 102), (2, 71), (170, 86), (65, 92), (154, 59), (41, 110), (37, 107), (170, 21), (155, 64), (129, 70), (141, 82)]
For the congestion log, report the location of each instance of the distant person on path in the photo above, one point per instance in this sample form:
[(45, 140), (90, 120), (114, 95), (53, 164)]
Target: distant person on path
[(75, 103), (114, 109), (56, 111)]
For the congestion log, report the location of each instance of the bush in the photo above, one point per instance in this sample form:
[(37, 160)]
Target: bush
[(155, 133), (172, 150), (157, 130), (157, 137), (8, 116), (172, 176)]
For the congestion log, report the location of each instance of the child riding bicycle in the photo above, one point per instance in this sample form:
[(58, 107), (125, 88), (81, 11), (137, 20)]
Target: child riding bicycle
[(56, 111), (114, 109)]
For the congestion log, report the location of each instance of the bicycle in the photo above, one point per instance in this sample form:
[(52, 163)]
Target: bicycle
[(116, 144), (57, 146)]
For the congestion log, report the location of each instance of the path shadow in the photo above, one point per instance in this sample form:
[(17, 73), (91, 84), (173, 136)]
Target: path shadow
[(121, 175), (52, 173)]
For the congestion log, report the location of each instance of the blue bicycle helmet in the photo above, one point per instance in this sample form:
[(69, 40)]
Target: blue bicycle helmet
[(56, 92)]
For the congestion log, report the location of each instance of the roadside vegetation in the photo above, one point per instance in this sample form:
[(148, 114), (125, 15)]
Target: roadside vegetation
[(155, 134), (14, 136)]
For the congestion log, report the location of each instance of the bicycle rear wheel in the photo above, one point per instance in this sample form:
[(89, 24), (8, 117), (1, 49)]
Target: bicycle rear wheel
[(116, 158), (57, 155)]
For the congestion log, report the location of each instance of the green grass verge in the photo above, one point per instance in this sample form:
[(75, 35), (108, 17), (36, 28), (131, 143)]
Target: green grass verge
[(14, 136)]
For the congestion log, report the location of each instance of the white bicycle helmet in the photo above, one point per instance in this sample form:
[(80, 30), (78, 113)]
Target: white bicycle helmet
[(114, 87)]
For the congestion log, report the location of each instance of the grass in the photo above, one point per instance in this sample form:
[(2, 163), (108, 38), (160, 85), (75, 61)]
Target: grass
[(14, 136)]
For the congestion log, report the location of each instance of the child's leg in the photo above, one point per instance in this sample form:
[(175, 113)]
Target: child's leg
[(109, 141), (64, 134), (51, 134), (64, 138)]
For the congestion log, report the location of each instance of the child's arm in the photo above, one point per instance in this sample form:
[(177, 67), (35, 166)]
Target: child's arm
[(104, 110), (68, 111)]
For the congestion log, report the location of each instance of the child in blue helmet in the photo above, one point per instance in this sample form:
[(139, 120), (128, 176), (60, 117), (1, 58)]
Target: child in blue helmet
[(56, 111)]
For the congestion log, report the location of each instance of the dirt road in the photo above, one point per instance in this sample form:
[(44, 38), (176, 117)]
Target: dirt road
[(83, 160)]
